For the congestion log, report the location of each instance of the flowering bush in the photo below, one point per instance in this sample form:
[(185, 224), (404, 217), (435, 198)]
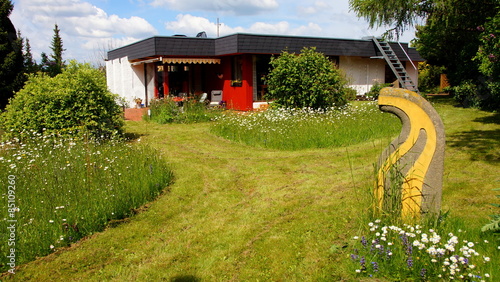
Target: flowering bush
[(412, 253)]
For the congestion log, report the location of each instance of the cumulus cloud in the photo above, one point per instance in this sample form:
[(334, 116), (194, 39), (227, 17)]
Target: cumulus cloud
[(84, 24), (234, 7), (190, 25)]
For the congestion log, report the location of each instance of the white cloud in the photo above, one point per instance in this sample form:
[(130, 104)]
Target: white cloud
[(190, 25), (234, 7), (82, 26)]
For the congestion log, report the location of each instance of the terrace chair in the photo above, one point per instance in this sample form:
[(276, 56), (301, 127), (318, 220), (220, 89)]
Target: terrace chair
[(203, 97), (215, 98)]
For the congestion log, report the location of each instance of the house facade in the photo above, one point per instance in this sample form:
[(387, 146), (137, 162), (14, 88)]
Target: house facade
[(232, 68)]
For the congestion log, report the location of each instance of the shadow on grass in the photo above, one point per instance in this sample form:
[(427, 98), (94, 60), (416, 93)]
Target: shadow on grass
[(185, 278), (495, 118), (130, 136), (482, 145)]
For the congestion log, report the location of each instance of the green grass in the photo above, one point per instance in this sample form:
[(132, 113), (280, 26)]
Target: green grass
[(192, 111), (61, 190), (297, 129), (236, 212)]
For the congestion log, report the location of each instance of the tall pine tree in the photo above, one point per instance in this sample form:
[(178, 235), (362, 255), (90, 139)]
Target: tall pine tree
[(29, 63), (57, 50), (11, 56)]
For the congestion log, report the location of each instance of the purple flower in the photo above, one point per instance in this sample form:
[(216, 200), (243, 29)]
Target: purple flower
[(354, 257), (409, 262), (363, 241), (362, 263), (423, 271), (375, 266)]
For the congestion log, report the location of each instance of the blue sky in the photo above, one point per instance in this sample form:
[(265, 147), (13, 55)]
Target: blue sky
[(90, 27)]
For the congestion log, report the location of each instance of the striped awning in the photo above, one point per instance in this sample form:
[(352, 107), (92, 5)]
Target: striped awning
[(190, 61)]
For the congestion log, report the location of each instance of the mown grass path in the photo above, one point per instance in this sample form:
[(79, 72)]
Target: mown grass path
[(237, 213)]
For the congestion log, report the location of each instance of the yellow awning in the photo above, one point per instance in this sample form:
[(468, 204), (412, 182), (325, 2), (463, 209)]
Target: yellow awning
[(190, 61)]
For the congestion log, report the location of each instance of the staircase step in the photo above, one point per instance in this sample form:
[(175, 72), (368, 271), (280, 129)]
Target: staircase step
[(397, 67)]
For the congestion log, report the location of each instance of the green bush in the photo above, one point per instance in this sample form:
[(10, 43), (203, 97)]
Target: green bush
[(191, 111), (305, 80), (75, 102), (467, 94), (429, 78), (375, 89)]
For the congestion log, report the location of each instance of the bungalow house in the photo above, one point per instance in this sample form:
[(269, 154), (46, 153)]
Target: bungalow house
[(231, 68)]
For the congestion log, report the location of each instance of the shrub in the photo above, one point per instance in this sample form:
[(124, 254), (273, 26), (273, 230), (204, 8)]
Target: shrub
[(429, 77), (77, 101), (168, 111), (494, 224), (307, 80), (467, 94), (375, 89)]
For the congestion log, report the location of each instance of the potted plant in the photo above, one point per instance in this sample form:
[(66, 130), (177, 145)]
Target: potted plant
[(138, 103)]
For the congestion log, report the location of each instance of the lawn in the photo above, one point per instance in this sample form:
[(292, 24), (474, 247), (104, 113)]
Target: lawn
[(236, 212)]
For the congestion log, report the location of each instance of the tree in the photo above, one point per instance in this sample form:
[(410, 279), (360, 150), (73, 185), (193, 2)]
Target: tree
[(54, 64), (449, 37), (57, 50), (306, 80), (11, 57), (29, 63)]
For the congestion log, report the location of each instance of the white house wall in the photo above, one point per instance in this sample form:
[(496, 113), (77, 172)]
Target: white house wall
[(127, 80), (412, 72), (362, 73)]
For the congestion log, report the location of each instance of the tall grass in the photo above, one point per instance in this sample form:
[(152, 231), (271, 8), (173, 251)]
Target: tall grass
[(295, 129), (66, 189), (167, 110)]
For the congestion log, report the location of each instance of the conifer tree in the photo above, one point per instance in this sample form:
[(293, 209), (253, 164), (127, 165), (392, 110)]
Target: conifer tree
[(57, 50), (11, 57), (29, 63)]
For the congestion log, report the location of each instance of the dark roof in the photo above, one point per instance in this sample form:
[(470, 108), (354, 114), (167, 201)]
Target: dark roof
[(251, 44)]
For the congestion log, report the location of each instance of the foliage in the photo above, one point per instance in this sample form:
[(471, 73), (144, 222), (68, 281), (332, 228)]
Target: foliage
[(450, 36), (494, 224), (240, 213), (305, 80), (375, 89), (399, 14), (429, 77), (11, 57), (167, 110), (489, 51), (413, 253), (67, 189), (55, 64), (77, 101), (467, 94), (297, 129), (30, 65)]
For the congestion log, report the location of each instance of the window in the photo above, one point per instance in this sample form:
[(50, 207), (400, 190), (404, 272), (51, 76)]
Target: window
[(236, 76)]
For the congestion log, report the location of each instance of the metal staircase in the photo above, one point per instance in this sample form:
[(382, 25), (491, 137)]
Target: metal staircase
[(396, 66)]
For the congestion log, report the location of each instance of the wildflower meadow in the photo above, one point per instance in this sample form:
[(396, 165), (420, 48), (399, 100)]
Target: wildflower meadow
[(295, 129), (63, 189), (411, 252)]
